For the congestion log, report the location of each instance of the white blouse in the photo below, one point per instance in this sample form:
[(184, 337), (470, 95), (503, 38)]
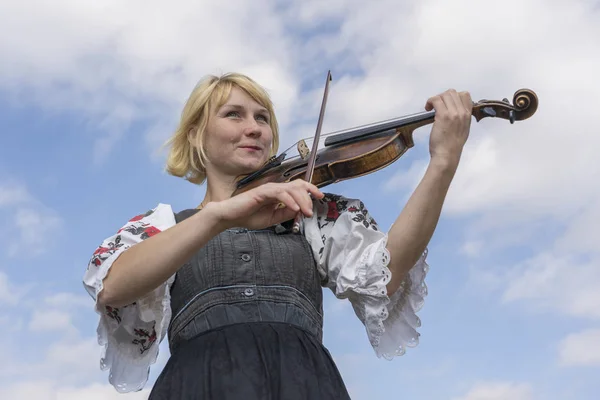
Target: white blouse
[(351, 254)]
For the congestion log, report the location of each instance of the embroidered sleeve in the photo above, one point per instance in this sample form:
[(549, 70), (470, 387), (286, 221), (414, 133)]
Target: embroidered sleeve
[(130, 335), (352, 259)]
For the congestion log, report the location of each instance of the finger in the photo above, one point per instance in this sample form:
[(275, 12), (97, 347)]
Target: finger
[(286, 200), (314, 191), (284, 214), (456, 100), (304, 200), (465, 98), (451, 99), (307, 187), (435, 103), (298, 189)]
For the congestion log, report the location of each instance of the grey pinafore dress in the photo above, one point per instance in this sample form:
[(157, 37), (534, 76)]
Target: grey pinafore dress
[(247, 319)]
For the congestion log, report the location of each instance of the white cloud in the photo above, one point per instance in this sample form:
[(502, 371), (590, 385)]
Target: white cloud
[(35, 227), (29, 227), (127, 62), (49, 390), (67, 300), (511, 175), (50, 320), (8, 295), (118, 63), (72, 359), (408, 179), (556, 282), (580, 349), (472, 248), (581, 234), (63, 369), (52, 357), (55, 350), (11, 193), (12, 293), (59, 362), (498, 391)]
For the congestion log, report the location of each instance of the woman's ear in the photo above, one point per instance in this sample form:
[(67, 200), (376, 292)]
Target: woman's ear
[(192, 135)]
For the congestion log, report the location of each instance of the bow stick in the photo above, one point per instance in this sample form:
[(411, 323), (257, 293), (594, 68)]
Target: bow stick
[(313, 153)]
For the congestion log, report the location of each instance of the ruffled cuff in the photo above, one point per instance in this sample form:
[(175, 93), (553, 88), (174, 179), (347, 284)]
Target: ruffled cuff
[(133, 347), (392, 322), (129, 335)]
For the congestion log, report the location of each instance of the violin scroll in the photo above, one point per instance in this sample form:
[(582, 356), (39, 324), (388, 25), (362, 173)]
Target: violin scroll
[(525, 104)]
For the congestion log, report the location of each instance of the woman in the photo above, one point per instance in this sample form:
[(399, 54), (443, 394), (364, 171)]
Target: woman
[(238, 293)]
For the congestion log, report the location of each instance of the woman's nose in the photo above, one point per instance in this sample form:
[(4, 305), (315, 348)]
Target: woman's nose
[(252, 128)]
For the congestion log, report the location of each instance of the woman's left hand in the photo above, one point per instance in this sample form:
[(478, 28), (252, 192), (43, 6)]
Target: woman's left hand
[(451, 126)]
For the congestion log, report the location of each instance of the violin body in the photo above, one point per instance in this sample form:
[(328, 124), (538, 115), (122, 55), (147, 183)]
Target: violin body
[(363, 150), (345, 161)]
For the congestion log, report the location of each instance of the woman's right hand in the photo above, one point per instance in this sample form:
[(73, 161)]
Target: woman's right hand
[(267, 205)]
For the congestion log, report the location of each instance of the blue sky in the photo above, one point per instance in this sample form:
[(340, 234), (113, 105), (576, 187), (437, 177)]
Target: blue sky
[(88, 94)]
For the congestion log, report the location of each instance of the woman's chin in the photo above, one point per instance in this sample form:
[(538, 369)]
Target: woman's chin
[(252, 164), (248, 168)]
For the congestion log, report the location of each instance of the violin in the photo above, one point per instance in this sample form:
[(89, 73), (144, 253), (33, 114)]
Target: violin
[(365, 149)]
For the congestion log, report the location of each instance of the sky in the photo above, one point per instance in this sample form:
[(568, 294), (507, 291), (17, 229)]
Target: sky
[(89, 91)]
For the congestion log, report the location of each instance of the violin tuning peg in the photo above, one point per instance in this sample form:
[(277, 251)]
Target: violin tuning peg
[(489, 111), (506, 100)]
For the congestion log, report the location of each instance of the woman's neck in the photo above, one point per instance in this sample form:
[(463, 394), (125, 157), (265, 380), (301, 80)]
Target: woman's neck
[(218, 188)]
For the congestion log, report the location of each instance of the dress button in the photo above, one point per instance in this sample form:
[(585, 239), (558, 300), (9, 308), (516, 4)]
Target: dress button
[(246, 257), (249, 292)]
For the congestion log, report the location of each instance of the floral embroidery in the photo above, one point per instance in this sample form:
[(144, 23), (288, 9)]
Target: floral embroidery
[(135, 340), (146, 340), (105, 251), (143, 230), (113, 313), (139, 217), (337, 204), (362, 216), (321, 248), (150, 231), (332, 212)]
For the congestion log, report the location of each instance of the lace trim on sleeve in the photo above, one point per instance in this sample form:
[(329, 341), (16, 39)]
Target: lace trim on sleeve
[(130, 335), (353, 260), (396, 321)]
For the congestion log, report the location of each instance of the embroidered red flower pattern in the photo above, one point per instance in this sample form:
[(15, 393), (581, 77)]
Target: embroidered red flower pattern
[(150, 231), (146, 339), (113, 313), (143, 230), (139, 217), (332, 212), (105, 250), (337, 205)]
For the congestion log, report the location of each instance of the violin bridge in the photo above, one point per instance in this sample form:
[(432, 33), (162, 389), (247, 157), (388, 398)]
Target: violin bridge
[(303, 149)]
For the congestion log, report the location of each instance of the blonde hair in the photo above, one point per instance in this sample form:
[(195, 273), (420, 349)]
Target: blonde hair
[(187, 161)]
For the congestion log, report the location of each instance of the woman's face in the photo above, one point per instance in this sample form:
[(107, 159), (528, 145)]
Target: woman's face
[(238, 136)]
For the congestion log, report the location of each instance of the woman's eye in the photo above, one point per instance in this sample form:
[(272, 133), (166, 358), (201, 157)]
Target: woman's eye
[(232, 114), (264, 118)]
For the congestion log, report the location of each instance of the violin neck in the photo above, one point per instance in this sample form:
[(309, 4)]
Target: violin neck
[(408, 122)]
